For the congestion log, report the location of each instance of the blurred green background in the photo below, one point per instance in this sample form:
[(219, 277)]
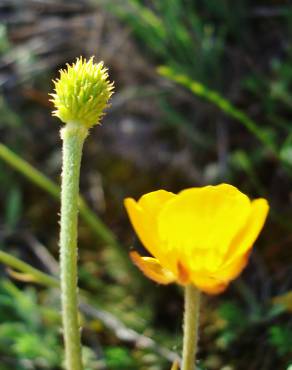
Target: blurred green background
[(203, 96)]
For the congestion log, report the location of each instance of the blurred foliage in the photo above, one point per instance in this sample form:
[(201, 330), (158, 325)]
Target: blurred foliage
[(223, 104), (281, 338), (175, 33), (119, 358), (24, 326), (166, 23), (4, 42), (235, 320)]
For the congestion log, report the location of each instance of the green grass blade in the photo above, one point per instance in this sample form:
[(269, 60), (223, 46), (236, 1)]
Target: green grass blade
[(29, 171), (37, 275), (223, 104)]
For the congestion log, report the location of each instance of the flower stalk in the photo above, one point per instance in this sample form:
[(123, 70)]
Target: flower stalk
[(191, 327), (199, 238), (73, 136), (81, 95)]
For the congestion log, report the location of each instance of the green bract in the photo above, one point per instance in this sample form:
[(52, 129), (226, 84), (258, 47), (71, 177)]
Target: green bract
[(82, 92)]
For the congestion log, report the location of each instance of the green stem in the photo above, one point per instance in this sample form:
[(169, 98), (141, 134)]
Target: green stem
[(191, 325), (73, 136)]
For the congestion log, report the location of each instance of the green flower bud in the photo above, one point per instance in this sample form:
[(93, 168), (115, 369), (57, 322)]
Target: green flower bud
[(82, 92)]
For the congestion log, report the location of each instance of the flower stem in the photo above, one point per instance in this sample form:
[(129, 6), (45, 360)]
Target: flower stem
[(191, 325), (73, 136)]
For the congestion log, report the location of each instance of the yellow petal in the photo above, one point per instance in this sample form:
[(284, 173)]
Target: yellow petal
[(143, 215), (153, 202), (182, 273), (201, 236), (240, 247), (230, 270), (202, 220), (207, 284), (245, 239), (152, 269)]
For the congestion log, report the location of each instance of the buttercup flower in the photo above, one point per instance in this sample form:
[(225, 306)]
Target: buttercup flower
[(201, 236), (82, 92)]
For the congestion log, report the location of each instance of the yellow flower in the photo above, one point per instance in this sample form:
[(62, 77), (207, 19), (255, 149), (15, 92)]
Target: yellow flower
[(82, 92), (201, 236)]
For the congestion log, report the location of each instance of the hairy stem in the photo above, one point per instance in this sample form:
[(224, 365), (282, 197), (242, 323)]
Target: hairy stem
[(73, 137), (191, 326)]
